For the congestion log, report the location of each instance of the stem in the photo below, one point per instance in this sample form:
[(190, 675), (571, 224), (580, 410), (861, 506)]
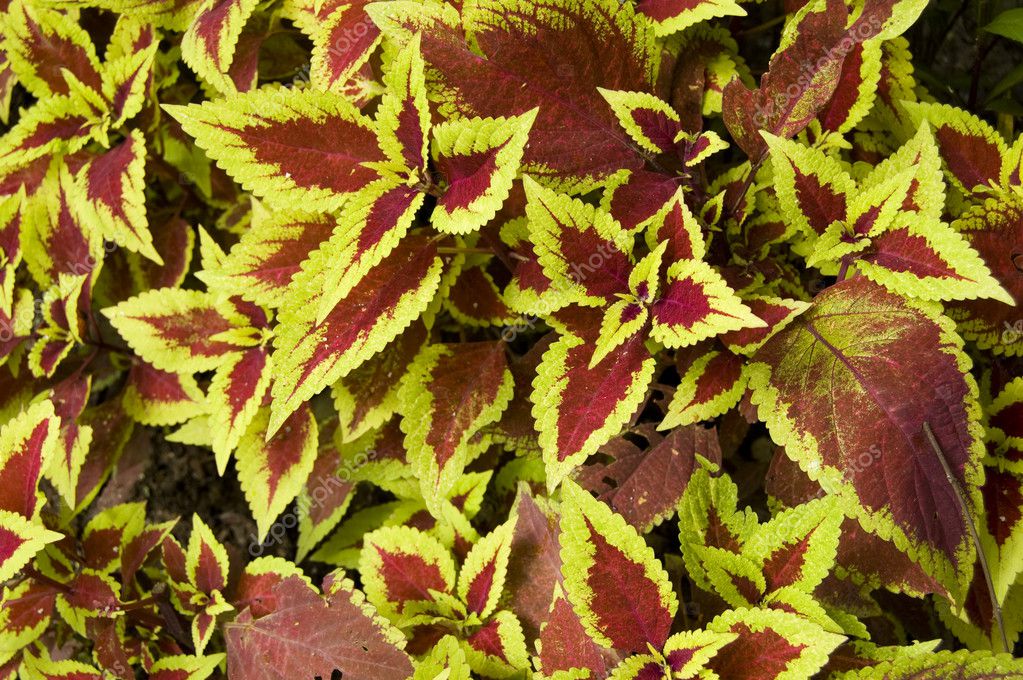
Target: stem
[(32, 572), (843, 270), (447, 250), (760, 28), (996, 610)]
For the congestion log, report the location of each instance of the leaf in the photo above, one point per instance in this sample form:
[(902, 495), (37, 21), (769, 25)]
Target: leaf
[(110, 196), (971, 149), (371, 226), (564, 644), (342, 42), (991, 324), (818, 31), (262, 264), (497, 647), (298, 148), (581, 248), (481, 579), (534, 565), (209, 43), (479, 159), (20, 540), (58, 123), (43, 668), (770, 643), (645, 485), (327, 493), (646, 118), (448, 394), (28, 444), (552, 55), (206, 560), (234, 397), (775, 312), (932, 263), (696, 304), (832, 384), (273, 469), (401, 566), (182, 667), (1008, 24), (620, 590), (309, 357), (965, 664), (672, 16), (403, 117), (813, 189), (577, 409), (308, 635), (42, 43), (688, 652), (155, 397), (675, 225), (174, 328)]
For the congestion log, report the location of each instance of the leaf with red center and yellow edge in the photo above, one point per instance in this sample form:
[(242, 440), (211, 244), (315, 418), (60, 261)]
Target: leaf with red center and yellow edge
[(310, 635), (41, 43), (995, 230), (564, 644), (126, 78), (832, 385), (582, 249), (402, 566), (309, 357), (577, 409), (89, 595), (234, 396), (206, 563), (255, 589), (57, 123), (55, 242), (818, 31), (479, 159), (775, 312), (534, 566), (368, 396), (1003, 516), (963, 664), (475, 300), (175, 329), (326, 495), (20, 540), (111, 430), (634, 198), (209, 43), (644, 485), (856, 91), (298, 148), (770, 643), (182, 667), (26, 610), (497, 648), (448, 394), (1005, 415), (110, 196), (971, 149), (137, 549), (672, 16), (930, 262), (675, 225), (403, 118), (687, 653), (342, 42), (621, 592), (813, 189), (708, 517), (273, 469), (797, 547), (155, 397), (482, 576), (553, 55), (444, 660), (8, 79), (46, 669), (712, 383), (370, 227), (646, 118), (869, 560), (108, 532), (28, 443), (694, 304), (262, 264)]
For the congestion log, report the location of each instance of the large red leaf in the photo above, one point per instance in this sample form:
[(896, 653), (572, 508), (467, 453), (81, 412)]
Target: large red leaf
[(309, 635), (864, 370)]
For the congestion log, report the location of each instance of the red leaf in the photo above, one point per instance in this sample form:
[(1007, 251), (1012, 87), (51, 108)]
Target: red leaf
[(309, 635)]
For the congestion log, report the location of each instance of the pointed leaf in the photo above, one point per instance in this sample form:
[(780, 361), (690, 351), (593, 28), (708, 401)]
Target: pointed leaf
[(209, 44), (400, 566)]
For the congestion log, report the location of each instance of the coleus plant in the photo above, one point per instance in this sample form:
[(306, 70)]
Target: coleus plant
[(555, 338)]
